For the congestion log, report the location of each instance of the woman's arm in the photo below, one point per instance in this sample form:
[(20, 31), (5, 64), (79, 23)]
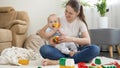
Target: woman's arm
[(84, 40), (45, 34)]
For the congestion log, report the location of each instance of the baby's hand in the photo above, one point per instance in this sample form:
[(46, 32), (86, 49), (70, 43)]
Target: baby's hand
[(51, 41), (56, 29), (71, 53)]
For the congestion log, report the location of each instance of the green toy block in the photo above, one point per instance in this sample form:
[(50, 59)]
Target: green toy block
[(62, 61), (97, 61), (39, 67), (109, 66), (92, 66)]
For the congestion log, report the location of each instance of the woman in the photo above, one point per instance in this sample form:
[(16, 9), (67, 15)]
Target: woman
[(76, 31)]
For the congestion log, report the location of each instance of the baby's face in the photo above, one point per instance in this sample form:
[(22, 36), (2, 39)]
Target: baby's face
[(52, 20)]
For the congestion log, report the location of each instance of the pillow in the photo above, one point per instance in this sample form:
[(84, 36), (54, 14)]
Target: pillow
[(34, 42)]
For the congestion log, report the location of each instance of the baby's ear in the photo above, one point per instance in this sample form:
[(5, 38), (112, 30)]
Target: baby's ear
[(58, 19)]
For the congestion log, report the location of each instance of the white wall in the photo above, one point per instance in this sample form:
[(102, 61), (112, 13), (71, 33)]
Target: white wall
[(38, 10), (113, 15)]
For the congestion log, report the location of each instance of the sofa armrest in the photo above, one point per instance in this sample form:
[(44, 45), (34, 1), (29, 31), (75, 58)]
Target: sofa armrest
[(19, 22), (19, 27)]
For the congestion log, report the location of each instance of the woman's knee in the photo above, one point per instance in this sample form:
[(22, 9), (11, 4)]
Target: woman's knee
[(44, 49), (47, 50), (95, 49)]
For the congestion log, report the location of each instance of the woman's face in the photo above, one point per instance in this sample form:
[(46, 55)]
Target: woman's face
[(70, 14)]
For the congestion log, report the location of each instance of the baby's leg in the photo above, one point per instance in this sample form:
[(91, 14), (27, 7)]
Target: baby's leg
[(72, 46), (62, 47)]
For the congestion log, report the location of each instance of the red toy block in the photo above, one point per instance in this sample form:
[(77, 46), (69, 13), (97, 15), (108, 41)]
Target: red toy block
[(93, 64), (82, 65)]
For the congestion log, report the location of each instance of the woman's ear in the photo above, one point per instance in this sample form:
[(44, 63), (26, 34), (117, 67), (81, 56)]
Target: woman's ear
[(78, 13)]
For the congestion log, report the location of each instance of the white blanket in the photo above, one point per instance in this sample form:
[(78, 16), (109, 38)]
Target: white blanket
[(11, 55)]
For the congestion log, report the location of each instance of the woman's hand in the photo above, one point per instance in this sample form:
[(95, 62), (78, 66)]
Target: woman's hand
[(65, 39)]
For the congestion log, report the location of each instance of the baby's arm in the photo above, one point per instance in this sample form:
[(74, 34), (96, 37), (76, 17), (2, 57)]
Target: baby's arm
[(60, 30), (45, 34), (50, 32)]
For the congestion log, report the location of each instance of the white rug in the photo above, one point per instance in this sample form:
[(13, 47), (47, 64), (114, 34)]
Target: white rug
[(36, 63)]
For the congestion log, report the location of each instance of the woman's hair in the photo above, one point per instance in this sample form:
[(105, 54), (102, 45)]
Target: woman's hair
[(77, 7)]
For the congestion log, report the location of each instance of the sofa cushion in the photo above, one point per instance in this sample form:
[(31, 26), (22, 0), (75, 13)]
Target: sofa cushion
[(5, 35)]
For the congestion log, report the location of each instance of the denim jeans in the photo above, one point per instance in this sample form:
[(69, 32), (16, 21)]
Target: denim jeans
[(85, 53)]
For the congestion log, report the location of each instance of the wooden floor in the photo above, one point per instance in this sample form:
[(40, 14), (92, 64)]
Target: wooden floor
[(106, 54)]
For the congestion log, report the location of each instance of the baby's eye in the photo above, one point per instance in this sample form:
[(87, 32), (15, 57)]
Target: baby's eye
[(55, 21), (50, 21)]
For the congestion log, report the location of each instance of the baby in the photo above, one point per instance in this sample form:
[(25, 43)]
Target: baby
[(68, 48)]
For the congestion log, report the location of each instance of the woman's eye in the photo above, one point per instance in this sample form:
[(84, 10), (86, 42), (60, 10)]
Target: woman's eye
[(55, 21)]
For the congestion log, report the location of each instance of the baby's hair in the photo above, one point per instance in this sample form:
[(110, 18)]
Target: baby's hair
[(52, 15)]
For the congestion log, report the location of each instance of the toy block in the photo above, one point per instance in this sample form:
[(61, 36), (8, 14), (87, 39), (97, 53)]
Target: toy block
[(116, 64), (39, 67), (62, 66), (69, 67), (82, 65), (92, 66), (62, 61), (66, 63), (97, 61), (99, 66), (23, 61), (70, 62), (66, 67), (109, 66)]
